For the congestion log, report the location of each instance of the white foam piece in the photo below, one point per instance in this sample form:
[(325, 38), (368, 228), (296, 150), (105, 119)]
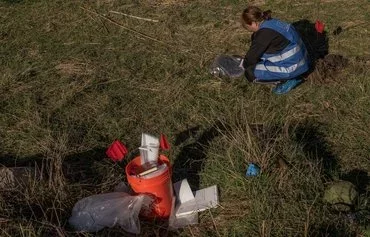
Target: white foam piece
[(182, 221), (203, 199), (183, 191), (149, 140), (149, 154), (149, 150)]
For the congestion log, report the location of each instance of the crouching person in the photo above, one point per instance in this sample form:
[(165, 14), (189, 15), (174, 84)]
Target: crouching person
[(277, 53)]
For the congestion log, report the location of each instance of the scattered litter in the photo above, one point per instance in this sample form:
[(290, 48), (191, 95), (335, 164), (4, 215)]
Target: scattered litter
[(164, 143), (117, 151), (149, 148), (182, 221), (159, 186), (149, 140), (154, 172), (253, 170), (202, 199), (93, 213), (146, 168), (341, 194), (150, 194), (183, 191), (187, 205), (227, 66)]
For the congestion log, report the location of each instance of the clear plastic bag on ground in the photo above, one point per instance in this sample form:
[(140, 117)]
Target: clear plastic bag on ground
[(227, 66), (183, 221), (93, 213)]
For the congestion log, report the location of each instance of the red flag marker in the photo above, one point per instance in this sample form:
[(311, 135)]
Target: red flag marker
[(117, 151), (164, 143), (320, 26)]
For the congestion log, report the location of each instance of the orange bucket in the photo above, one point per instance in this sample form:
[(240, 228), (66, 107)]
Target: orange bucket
[(159, 187)]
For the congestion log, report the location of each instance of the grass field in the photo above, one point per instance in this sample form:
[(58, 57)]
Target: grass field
[(75, 76)]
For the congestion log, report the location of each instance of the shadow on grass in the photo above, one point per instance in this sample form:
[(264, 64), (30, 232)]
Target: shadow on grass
[(331, 230), (80, 168), (185, 135), (29, 201), (84, 170), (359, 178), (316, 148), (10, 160), (190, 161), (317, 44), (12, 1)]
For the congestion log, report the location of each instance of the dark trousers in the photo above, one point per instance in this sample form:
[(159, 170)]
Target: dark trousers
[(249, 73)]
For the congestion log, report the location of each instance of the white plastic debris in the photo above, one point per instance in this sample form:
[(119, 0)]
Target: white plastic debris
[(149, 149), (180, 222), (189, 203), (93, 213), (227, 66), (183, 191), (203, 199)]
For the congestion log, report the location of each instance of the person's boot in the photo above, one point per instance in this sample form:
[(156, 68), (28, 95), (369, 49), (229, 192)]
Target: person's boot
[(286, 86)]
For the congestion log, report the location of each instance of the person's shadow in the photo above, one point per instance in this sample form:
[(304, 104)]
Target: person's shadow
[(190, 161), (311, 138), (12, 1), (359, 178)]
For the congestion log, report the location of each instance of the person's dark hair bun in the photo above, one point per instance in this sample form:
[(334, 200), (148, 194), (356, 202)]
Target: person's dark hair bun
[(254, 14), (266, 15)]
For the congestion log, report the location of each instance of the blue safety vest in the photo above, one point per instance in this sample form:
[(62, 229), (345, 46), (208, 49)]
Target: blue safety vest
[(290, 63)]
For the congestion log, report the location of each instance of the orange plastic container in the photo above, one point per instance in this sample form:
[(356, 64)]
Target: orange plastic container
[(159, 187)]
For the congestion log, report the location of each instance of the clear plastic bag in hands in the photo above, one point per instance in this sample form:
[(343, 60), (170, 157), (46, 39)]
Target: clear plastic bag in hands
[(93, 213), (227, 66)]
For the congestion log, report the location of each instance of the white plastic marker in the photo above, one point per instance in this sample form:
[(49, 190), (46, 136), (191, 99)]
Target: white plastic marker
[(203, 199), (183, 191), (149, 150)]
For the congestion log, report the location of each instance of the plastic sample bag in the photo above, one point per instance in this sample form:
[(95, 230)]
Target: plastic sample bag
[(227, 66), (93, 213), (183, 221)]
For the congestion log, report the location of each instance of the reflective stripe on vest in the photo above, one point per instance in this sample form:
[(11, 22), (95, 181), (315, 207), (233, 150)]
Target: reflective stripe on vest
[(278, 69), (284, 55), (291, 62)]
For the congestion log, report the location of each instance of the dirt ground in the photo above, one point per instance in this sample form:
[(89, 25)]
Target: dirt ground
[(327, 69)]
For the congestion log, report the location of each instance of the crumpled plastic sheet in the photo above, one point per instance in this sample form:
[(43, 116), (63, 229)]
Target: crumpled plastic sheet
[(183, 221), (93, 213), (227, 66)]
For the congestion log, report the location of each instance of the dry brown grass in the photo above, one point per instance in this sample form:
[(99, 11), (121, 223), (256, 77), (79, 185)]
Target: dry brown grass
[(74, 81), (73, 68)]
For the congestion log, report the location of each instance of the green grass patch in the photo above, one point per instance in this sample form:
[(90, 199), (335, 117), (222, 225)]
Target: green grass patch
[(72, 81)]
